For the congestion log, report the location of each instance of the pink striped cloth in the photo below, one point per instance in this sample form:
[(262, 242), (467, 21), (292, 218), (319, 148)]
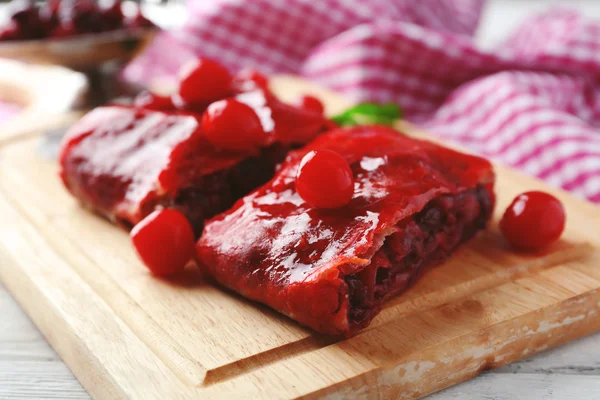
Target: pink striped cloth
[(533, 102)]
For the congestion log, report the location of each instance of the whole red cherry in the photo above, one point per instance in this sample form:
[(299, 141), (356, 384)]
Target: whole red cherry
[(164, 240), (201, 82), (324, 179), (232, 125), (533, 220), (311, 103)]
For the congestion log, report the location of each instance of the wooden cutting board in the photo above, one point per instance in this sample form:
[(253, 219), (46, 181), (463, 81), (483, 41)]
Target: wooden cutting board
[(126, 334)]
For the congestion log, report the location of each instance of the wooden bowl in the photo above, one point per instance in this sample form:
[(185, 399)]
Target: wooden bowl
[(83, 52)]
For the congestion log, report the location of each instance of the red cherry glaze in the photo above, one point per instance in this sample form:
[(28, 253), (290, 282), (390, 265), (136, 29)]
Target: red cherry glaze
[(153, 101), (533, 220), (164, 240), (311, 103), (324, 179), (203, 81), (231, 125)]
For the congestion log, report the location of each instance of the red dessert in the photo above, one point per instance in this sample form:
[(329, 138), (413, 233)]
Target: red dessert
[(125, 162), (59, 19), (413, 204)]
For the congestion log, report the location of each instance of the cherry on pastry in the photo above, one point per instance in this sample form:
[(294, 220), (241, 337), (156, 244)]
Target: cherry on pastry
[(324, 179), (201, 82), (311, 103), (232, 125), (533, 220), (164, 240)]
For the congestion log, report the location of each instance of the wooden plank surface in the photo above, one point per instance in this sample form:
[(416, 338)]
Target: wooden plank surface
[(30, 369), (118, 328)]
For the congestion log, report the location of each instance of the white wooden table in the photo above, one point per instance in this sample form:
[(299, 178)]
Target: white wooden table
[(30, 369)]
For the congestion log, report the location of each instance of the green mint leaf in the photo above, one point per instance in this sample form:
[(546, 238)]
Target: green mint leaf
[(369, 113)]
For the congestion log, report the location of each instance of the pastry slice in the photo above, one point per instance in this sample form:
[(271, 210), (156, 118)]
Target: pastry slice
[(414, 203), (124, 162)]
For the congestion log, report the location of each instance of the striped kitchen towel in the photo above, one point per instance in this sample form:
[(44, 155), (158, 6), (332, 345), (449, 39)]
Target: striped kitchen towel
[(533, 102)]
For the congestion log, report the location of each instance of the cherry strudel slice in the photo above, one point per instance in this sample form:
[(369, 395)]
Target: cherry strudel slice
[(414, 203), (124, 162)]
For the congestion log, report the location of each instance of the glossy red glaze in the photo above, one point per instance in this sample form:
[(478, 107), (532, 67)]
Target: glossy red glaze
[(324, 179), (275, 248), (234, 126), (164, 240), (533, 220), (202, 82), (152, 101), (124, 162), (311, 103)]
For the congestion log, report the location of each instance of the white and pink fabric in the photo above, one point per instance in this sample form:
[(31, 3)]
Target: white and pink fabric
[(533, 102)]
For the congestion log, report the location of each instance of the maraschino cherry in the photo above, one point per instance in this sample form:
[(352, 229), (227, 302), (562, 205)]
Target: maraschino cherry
[(324, 179), (232, 125), (311, 103), (201, 82), (533, 220), (164, 240)]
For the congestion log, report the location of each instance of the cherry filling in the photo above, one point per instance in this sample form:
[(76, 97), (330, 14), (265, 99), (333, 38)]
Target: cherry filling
[(212, 194), (418, 243)]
